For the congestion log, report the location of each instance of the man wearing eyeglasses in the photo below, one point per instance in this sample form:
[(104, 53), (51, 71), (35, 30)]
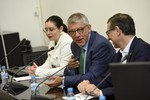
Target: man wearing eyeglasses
[(121, 31), (93, 50)]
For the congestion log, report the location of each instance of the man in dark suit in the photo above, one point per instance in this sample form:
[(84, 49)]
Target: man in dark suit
[(91, 47), (139, 51), (121, 31)]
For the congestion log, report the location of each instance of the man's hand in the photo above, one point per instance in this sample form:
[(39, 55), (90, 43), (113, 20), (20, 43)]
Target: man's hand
[(91, 88), (55, 81), (73, 62), (85, 87), (82, 86), (32, 69)]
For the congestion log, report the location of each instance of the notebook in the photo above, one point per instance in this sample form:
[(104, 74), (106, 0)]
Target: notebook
[(131, 81)]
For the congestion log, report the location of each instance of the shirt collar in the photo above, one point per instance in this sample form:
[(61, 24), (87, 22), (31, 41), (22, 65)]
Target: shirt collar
[(85, 47), (127, 48)]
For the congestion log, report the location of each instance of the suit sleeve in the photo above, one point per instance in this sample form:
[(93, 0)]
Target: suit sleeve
[(97, 63)]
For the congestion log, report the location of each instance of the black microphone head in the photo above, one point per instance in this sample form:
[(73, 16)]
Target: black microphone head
[(51, 48), (23, 40)]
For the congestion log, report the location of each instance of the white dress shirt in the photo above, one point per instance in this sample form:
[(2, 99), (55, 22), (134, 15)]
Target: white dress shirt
[(126, 51)]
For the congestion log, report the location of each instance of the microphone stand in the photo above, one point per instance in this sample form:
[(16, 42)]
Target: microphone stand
[(35, 97), (5, 57), (11, 50), (28, 64), (16, 88), (38, 97), (4, 48)]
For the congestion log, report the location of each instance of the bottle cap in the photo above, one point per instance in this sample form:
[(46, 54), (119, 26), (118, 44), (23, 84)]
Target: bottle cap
[(102, 98), (70, 89), (3, 67), (33, 77)]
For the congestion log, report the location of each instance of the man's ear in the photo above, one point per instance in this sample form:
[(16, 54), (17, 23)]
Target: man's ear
[(118, 30), (89, 28)]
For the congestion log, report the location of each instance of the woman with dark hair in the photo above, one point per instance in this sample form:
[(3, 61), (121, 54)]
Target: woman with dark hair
[(56, 32)]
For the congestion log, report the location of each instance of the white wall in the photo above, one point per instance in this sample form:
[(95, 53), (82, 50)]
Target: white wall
[(98, 12), (19, 15)]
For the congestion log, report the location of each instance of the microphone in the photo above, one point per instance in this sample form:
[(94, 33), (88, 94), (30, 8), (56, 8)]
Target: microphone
[(38, 97), (16, 88), (31, 62), (13, 49)]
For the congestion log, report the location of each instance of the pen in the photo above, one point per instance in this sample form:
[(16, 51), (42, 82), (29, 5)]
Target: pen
[(35, 64)]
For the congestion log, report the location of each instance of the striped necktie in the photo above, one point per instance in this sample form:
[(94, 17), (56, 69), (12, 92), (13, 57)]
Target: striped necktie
[(82, 61)]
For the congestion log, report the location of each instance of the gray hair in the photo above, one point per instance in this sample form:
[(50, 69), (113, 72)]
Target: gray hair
[(76, 17)]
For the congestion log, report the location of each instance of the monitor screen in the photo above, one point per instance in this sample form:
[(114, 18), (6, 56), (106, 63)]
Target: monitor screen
[(131, 81)]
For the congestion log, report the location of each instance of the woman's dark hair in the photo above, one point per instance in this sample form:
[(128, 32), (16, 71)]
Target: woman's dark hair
[(65, 29), (58, 22)]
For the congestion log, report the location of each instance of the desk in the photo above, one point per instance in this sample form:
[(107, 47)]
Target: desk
[(44, 90), (55, 93)]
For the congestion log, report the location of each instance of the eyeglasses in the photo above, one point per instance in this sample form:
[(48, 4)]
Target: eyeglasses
[(107, 32), (80, 31), (51, 29)]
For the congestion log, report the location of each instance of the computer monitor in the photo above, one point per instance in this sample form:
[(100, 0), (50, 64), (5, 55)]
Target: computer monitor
[(10, 40), (131, 81)]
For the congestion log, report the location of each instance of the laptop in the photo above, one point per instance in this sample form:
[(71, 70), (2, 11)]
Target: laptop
[(131, 81), (6, 96)]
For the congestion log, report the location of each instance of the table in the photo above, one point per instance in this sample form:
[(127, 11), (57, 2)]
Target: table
[(51, 92), (55, 93)]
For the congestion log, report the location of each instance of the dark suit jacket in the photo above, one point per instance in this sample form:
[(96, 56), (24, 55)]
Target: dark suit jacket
[(139, 51), (99, 55)]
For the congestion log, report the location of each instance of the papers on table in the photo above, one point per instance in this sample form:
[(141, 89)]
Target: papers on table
[(24, 78), (81, 96)]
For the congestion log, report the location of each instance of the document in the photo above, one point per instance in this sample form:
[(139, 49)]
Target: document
[(24, 78), (80, 96)]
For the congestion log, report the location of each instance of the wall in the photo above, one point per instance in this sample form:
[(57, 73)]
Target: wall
[(28, 16), (21, 16), (98, 11)]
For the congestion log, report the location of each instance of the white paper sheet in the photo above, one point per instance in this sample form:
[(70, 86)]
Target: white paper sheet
[(80, 96), (24, 78)]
